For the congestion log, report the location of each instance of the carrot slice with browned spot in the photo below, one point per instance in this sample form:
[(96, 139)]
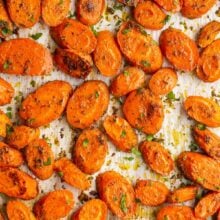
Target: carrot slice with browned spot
[(54, 205), (5, 124), (144, 111), (163, 81), (120, 132), (139, 47), (149, 15), (24, 13), (74, 35), (180, 50), (170, 5), (117, 193), (200, 169), (151, 193), (203, 110), (208, 68), (7, 92), (94, 209), (89, 141), (107, 56), (54, 11)]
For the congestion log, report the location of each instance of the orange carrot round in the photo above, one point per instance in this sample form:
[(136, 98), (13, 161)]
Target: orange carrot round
[(7, 92)]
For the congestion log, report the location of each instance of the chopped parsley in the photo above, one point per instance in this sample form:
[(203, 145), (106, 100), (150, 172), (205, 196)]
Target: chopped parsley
[(85, 142), (201, 126), (145, 63), (125, 31), (94, 31), (135, 151), (9, 129), (167, 19), (96, 94), (36, 36), (123, 133), (126, 73), (129, 158), (123, 203), (149, 137), (6, 65), (48, 162)]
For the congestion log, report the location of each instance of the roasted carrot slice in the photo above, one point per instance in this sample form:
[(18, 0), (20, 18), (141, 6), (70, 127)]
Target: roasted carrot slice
[(54, 11), (208, 205), (157, 157), (34, 60), (144, 111), (208, 33), (7, 92), (201, 169), (139, 47), (208, 141), (18, 210), (46, 104), (196, 8), (183, 194), (117, 193), (130, 2), (107, 56), (10, 157), (151, 193), (130, 79), (175, 212), (1, 216), (163, 81), (54, 205), (218, 217), (6, 26), (89, 141), (120, 132), (88, 103), (89, 12), (76, 65), (173, 6), (69, 172), (24, 13), (94, 209), (5, 124), (18, 184), (20, 136), (149, 15), (40, 158), (179, 49), (208, 68), (203, 110), (74, 35)]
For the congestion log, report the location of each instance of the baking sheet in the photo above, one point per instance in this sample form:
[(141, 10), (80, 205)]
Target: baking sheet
[(174, 135)]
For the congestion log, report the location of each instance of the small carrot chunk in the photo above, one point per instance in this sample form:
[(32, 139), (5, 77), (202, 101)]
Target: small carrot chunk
[(7, 92), (5, 124)]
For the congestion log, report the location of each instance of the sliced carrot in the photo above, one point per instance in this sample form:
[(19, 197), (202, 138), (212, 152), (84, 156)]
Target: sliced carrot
[(54, 205), (120, 132), (1, 216), (157, 157), (149, 15), (5, 124), (179, 49), (88, 103), (175, 212), (130, 2), (46, 104), (203, 110), (168, 5), (208, 141), (183, 194), (34, 60), (208, 68), (144, 111), (208, 33), (218, 217), (18, 184), (200, 169), (208, 205), (76, 65), (94, 209), (10, 157), (89, 12), (7, 92), (163, 81), (69, 172), (196, 8), (139, 47), (130, 79), (117, 193), (21, 135), (6, 26), (18, 210), (24, 13), (151, 193), (54, 11), (40, 158), (107, 56), (74, 35)]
